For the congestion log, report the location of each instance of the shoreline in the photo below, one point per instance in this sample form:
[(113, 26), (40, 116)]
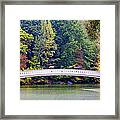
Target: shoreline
[(62, 86)]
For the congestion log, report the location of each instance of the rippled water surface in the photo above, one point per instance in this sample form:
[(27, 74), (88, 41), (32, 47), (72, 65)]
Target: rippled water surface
[(59, 93)]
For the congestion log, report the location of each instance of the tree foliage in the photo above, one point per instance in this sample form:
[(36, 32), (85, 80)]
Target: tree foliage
[(60, 44)]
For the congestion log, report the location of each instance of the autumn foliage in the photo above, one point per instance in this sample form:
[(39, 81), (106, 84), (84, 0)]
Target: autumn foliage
[(60, 44)]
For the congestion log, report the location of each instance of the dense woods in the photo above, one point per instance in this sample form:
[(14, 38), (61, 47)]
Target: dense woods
[(59, 44)]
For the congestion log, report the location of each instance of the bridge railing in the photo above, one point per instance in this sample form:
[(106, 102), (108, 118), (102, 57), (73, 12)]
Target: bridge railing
[(54, 72)]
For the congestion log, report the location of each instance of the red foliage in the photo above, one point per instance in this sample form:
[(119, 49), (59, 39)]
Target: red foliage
[(23, 61), (79, 57)]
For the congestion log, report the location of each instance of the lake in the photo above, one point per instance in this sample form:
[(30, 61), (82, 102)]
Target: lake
[(60, 93)]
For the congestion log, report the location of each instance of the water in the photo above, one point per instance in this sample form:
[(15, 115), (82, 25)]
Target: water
[(60, 94)]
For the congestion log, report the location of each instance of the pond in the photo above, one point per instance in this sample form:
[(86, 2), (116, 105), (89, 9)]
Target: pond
[(60, 93)]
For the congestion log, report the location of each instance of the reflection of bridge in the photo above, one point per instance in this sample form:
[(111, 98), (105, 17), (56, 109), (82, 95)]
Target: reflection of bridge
[(53, 72)]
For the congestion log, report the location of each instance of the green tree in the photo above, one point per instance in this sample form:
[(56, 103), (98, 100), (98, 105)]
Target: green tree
[(48, 44), (93, 31), (24, 43)]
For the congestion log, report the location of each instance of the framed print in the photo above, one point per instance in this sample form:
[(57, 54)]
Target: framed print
[(59, 59)]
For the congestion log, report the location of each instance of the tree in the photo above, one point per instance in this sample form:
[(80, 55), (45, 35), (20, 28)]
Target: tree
[(24, 45), (67, 57), (23, 61), (60, 44), (33, 27), (43, 46), (79, 58), (49, 45), (93, 31), (72, 38)]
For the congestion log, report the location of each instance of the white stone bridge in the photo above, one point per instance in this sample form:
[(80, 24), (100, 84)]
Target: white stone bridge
[(54, 72)]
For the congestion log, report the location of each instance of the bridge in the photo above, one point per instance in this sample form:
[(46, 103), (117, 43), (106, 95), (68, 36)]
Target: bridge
[(54, 72)]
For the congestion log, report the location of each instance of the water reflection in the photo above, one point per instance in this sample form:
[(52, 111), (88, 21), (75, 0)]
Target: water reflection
[(59, 94)]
